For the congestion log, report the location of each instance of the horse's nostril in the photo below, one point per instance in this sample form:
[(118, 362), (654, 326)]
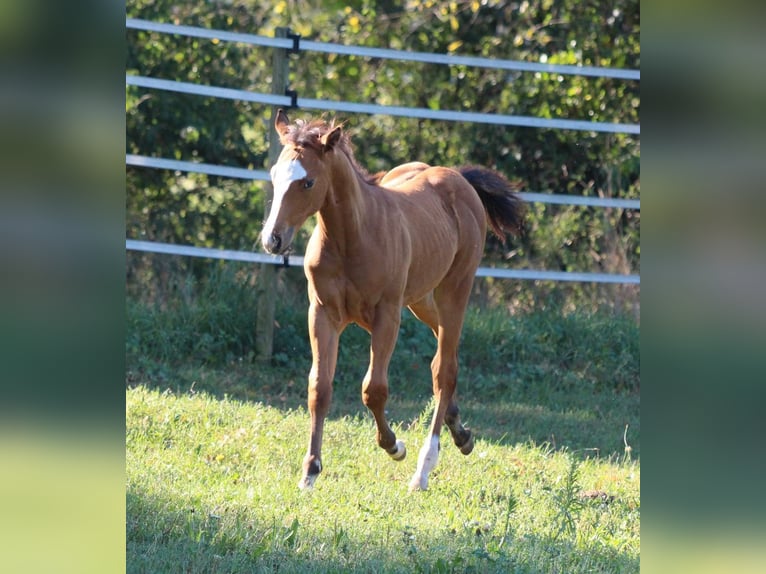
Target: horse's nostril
[(276, 242)]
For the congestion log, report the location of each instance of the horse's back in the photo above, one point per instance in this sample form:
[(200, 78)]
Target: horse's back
[(401, 174)]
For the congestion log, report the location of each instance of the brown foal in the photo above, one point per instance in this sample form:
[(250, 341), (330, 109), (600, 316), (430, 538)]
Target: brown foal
[(411, 237)]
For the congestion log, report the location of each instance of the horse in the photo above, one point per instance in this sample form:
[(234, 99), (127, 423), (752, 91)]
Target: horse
[(411, 237)]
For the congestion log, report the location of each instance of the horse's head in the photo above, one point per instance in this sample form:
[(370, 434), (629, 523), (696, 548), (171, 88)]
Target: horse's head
[(300, 179)]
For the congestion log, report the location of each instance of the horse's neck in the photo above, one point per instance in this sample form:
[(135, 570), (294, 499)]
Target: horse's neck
[(342, 217)]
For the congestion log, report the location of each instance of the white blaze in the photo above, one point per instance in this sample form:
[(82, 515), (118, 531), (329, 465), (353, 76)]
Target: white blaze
[(282, 175)]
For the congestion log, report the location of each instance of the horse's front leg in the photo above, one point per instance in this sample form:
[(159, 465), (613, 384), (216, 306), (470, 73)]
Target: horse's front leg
[(384, 332), (324, 338)]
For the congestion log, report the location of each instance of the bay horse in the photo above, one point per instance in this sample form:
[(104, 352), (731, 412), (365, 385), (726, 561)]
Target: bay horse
[(411, 237)]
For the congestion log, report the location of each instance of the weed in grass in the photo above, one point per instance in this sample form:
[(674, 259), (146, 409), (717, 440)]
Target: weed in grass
[(509, 510), (567, 502)]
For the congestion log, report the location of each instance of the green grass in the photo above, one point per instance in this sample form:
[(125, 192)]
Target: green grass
[(215, 441), (212, 488)]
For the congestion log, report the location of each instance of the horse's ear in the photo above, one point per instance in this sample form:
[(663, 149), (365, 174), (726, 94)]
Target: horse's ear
[(331, 138), (281, 122)]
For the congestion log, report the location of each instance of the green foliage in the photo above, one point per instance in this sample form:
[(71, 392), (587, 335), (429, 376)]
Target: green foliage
[(208, 321), (210, 211), (570, 352)]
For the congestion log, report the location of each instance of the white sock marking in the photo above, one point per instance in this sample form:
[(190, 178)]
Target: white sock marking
[(427, 459), (401, 451)]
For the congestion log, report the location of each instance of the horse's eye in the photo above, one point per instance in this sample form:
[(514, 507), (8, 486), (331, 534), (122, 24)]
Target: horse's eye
[(308, 184)]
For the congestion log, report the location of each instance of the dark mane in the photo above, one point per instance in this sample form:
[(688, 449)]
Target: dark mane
[(307, 134)]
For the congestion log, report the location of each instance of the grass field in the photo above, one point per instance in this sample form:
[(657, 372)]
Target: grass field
[(212, 488), (214, 444)]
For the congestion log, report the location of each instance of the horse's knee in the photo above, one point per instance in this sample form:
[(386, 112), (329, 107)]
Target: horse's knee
[(319, 396), (443, 367), (374, 395), (444, 374)]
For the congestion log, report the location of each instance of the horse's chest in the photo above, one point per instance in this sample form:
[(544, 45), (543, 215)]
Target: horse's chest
[(350, 294)]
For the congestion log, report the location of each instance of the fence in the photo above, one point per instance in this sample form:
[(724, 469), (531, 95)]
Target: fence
[(294, 44)]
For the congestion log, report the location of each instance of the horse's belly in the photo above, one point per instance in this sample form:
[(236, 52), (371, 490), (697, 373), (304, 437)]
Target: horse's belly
[(425, 274)]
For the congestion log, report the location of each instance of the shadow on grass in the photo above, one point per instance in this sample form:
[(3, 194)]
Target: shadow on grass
[(176, 535), (578, 420)]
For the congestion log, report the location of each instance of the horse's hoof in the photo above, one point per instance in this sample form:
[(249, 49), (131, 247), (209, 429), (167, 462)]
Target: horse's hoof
[(400, 451), (417, 484), (307, 482), (468, 446), (312, 466)]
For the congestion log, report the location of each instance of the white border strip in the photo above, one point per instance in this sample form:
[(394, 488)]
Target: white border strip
[(297, 261), (385, 53)]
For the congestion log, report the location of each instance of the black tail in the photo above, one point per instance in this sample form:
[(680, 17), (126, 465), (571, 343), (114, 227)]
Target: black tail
[(505, 209)]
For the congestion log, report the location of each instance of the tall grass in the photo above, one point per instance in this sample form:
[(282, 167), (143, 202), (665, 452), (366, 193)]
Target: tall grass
[(212, 322)]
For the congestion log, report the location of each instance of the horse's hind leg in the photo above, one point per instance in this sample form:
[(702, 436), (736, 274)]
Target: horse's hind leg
[(461, 436), (427, 312), (448, 308)]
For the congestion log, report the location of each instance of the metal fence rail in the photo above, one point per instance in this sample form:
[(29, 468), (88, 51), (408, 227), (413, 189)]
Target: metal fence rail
[(384, 53), (297, 261), (296, 43), (262, 175), (362, 108)]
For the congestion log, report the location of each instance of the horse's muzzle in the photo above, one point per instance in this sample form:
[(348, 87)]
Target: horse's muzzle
[(277, 243), (272, 243)]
